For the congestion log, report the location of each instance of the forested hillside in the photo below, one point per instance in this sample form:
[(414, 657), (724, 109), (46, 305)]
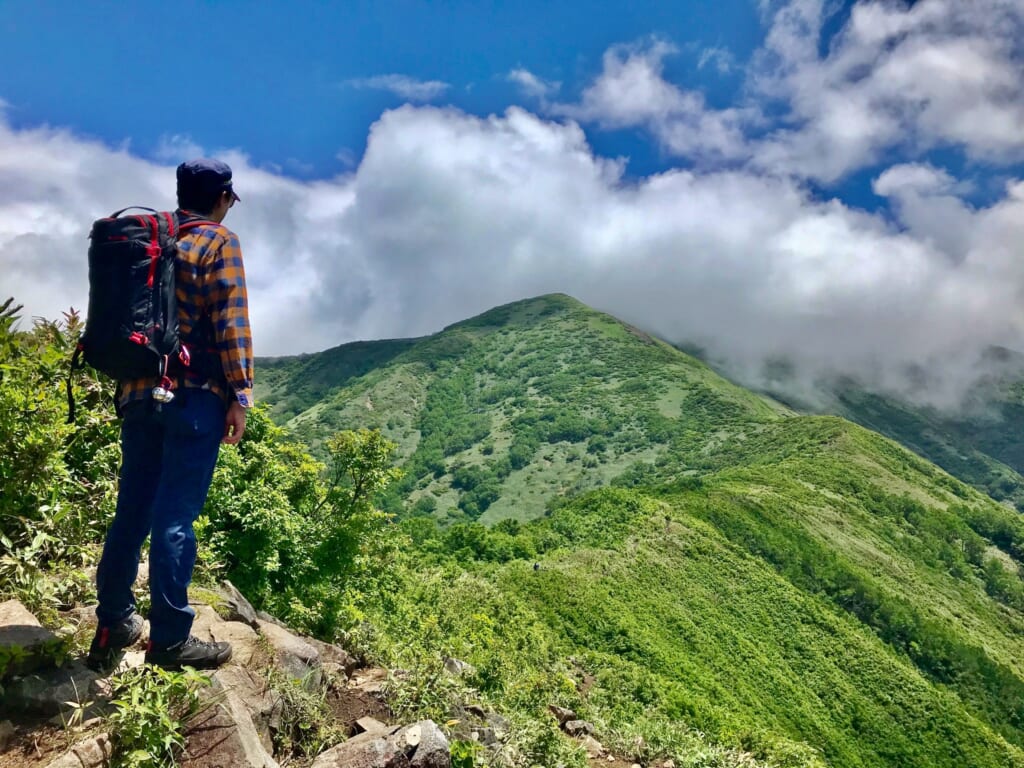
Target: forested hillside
[(498, 415)]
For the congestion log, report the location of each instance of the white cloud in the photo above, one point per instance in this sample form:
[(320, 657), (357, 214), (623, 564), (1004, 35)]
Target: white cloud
[(720, 58), (402, 86), (916, 177), (177, 148), (449, 214), (938, 73), (632, 91), (532, 85), (895, 78)]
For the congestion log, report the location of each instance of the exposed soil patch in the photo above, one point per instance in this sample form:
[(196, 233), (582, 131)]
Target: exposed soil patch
[(36, 742), (610, 762), (350, 704)]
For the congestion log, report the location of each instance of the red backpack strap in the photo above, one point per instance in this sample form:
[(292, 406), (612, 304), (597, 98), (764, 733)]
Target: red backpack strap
[(193, 223)]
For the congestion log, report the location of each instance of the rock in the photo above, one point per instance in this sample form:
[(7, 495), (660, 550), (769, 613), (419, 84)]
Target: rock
[(243, 638), (458, 668), (47, 692), (251, 691), (81, 616), (669, 764), (476, 710), (6, 734), (485, 736), (223, 735), (131, 659), (432, 749), (369, 680), (202, 625), (264, 616), (593, 746), (562, 714), (421, 745), (370, 725), (635, 765), (579, 728), (25, 645), (238, 608), (413, 735), (92, 753), (334, 657), (294, 655), (500, 725)]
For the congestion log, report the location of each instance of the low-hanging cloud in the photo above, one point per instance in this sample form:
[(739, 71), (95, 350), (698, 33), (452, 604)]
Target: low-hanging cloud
[(449, 214)]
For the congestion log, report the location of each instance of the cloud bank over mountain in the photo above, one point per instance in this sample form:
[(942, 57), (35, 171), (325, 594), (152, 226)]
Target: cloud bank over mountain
[(737, 248)]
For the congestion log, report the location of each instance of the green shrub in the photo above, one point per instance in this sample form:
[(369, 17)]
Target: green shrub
[(151, 708)]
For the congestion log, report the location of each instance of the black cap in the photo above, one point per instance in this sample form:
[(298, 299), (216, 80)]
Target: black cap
[(205, 175)]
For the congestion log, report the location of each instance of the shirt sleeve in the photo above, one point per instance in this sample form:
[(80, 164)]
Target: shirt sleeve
[(228, 305)]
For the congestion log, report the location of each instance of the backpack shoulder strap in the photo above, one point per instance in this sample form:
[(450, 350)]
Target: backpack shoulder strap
[(193, 223), (187, 220)]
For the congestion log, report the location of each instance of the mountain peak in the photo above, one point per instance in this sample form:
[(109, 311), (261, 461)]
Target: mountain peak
[(524, 311)]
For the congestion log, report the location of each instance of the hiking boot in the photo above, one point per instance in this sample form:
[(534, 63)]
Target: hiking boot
[(111, 640), (192, 652)]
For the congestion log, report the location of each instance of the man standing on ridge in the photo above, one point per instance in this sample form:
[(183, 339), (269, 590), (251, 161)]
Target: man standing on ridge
[(169, 445)]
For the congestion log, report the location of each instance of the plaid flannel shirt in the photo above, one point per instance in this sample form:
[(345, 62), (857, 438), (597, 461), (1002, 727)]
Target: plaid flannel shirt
[(210, 283)]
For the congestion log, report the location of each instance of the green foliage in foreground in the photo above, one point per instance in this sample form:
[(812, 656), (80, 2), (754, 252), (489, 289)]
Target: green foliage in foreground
[(301, 540), (151, 708), (57, 481)]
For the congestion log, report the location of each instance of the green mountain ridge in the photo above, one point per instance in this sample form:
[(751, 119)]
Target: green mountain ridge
[(796, 586), (980, 442), (544, 397)]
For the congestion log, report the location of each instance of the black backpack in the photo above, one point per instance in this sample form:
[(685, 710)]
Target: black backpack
[(131, 329)]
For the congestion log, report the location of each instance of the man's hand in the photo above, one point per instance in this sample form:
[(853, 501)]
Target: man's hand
[(234, 423)]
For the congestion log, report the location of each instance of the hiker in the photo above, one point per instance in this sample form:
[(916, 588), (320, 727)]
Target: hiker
[(171, 432)]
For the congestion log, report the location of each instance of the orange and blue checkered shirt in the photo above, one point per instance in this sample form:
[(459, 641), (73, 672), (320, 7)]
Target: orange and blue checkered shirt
[(212, 301)]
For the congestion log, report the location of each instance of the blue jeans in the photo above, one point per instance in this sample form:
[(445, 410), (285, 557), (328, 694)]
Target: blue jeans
[(167, 461)]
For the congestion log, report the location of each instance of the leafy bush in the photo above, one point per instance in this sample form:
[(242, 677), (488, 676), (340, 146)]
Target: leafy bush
[(298, 538), (151, 708), (57, 480)]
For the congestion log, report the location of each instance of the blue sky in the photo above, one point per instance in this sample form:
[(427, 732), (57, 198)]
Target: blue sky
[(278, 76), (839, 183)]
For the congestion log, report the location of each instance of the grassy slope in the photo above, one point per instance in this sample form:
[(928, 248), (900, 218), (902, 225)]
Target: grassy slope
[(986, 450), (802, 597), (582, 396), (823, 586), (981, 441)]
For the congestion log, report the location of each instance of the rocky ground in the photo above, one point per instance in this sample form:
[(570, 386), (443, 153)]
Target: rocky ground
[(53, 709)]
